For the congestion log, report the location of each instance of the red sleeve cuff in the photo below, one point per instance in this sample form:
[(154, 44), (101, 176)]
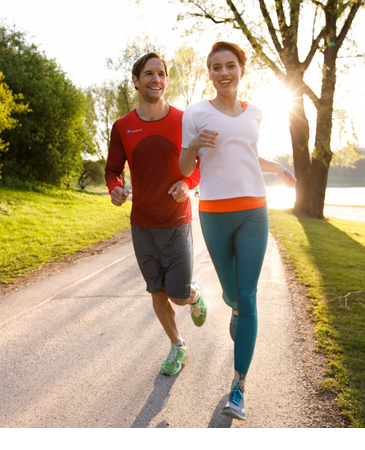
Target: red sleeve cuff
[(194, 178), (113, 184)]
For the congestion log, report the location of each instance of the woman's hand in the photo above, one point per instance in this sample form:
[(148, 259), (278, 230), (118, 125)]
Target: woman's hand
[(205, 138), (288, 178), (187, 159), (274, 167)]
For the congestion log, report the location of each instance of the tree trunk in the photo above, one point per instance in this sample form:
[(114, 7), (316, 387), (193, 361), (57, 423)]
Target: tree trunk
[(299, 132), (322, 154), (312, 175)]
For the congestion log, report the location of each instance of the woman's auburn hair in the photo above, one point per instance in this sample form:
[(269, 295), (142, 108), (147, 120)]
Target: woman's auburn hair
[(234, 48)]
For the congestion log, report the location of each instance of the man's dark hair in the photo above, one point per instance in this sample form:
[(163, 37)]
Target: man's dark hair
[(141, 62)]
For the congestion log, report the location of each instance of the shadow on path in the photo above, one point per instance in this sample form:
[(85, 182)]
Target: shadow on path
[(156, 401), (218, 420)]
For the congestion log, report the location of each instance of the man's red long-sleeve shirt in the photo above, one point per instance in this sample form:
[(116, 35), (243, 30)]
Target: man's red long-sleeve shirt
[(152, 149)]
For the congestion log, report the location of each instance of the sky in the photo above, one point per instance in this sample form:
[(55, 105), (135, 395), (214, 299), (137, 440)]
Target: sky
[(81, 36)]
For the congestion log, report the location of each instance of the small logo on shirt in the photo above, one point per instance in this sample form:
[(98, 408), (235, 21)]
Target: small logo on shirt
[(134, 131)]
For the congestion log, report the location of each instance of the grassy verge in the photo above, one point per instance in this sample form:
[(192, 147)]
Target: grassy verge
[(38, 227), (328, 257)]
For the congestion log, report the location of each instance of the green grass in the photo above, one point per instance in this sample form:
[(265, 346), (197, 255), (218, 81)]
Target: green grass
[(39, 227), (328, 257)]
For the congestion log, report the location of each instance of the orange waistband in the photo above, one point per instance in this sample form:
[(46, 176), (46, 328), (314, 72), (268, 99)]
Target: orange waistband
[(231, 204)]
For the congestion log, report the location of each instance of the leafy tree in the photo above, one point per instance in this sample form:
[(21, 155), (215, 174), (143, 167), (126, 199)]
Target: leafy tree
[(188, 70), (8, 107), (103, 107), (93, 173), (347, 144), (275, 43), (347, 171), (53, 136), (354, 171), (127, 97), (285, 160)]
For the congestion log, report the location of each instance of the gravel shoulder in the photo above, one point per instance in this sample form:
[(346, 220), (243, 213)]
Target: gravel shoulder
[(323, 404)]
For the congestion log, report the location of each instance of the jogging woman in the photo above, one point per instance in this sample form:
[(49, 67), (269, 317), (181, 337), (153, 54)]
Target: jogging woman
[(223, 135)]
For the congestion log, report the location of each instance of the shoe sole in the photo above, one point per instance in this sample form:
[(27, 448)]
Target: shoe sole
[(232, 331), (199, 324), (233, 414), (182, 362)]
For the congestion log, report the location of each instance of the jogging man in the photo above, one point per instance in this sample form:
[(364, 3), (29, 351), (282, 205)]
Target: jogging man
[(149, 138)]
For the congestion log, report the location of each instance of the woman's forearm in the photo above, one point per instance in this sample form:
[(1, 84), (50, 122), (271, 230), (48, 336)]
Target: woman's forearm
[(273, 167), (187, 161), (268, 166)]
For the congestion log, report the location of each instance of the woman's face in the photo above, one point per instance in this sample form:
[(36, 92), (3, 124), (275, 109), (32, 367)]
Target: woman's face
[(225, 72)]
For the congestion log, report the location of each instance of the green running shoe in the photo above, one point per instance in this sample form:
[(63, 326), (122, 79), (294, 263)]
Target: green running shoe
[(198, 310), (173, 362)]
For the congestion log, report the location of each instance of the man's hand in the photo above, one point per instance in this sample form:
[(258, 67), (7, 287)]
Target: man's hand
[(119, 196), (179, 191)]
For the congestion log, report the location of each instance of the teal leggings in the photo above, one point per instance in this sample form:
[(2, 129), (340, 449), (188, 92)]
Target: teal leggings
[(237, 242)]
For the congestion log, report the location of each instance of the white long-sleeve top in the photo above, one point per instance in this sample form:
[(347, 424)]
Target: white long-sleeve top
[(231, 169)]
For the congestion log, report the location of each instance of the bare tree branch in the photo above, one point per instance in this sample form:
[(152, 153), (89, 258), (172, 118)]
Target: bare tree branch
[(346, 297), (255, 44), (205, 14), (294, 19), (344, 5), (213, 19), (281, 16), (270, 27), (318, 3), (313, 49), (314, 23), (310, 94), (355, 7)]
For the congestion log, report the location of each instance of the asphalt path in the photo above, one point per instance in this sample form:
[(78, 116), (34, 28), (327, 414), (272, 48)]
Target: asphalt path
[(83, 349)]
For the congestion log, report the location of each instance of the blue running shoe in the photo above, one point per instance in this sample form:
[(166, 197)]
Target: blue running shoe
[(233, 325), (235, 407)]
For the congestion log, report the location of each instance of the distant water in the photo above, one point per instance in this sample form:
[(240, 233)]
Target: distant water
[(347, 196), (350, 196)]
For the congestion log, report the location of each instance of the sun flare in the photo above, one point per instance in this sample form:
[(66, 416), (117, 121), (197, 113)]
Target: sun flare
[(280, 197)]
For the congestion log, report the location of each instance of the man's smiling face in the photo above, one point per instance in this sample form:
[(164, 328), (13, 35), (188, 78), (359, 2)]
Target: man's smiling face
[(152, 82)]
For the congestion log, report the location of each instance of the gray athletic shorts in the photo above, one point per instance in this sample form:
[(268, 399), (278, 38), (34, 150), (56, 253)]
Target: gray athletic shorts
[(165, 257)]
